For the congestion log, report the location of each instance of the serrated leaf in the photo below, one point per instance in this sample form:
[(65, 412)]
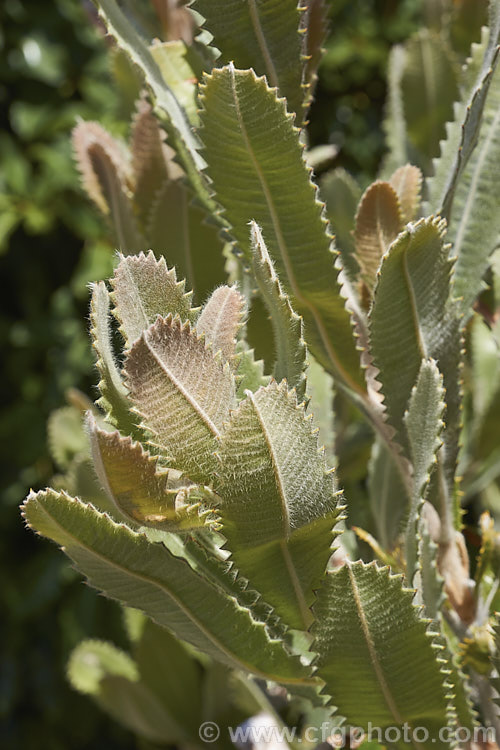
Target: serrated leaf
[(407, 182), (291, 350), (429, 581), (114, 398), (250, 371), (127, 235), (278, 506), (181, 134), (178, 229), (321, 393), (462, 133), (147, 576), (135, 483), (430, 87), (342, 194), (92, 660), (374, 653), (315, 24), (85, 136), (474, 225), (183, 394), (378, 223), (144, 288), (221, 319), (149, 160), (424, 423), (245, 124), (263, 36), (412, 304), (181, 68)]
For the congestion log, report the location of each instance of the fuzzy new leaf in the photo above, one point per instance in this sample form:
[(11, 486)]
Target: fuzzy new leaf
[(278, 505), (144, 288), (182, 392), (221, 319)]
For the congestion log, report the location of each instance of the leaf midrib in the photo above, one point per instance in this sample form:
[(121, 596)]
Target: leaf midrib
[(178, 602)]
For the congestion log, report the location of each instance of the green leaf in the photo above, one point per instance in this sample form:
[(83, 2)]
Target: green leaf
[(378, 223), (278, 506), (430, 87), (250, 371), (245, 124), (114, 398), (342, 194), (428, 578), (474, 226), (320, 391), (291, 350), (181, 134), (65, 435), (181, 69), (220, 321), (315, 24), (263, 36), (374, 654), (424, 423), (412, 305), (407, 182), (147, 576), (135, 483), (144, 288), (112, 678), (388, 495), (179, 230), (394, 122), (462, 133), (183, 394)]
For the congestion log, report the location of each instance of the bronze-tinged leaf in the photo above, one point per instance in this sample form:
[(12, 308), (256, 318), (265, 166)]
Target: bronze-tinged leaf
[(407, 182), (378, 223), (221, 319), (183, 394)]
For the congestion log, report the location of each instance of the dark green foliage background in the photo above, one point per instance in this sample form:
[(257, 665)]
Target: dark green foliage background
[(54, 67)]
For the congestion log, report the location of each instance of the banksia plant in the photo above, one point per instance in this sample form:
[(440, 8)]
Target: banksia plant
[(199, 492)]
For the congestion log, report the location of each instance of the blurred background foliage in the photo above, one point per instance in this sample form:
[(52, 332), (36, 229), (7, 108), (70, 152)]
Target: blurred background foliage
[(55, 67)]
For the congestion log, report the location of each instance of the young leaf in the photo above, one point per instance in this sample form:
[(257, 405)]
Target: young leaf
[(149, 161), (147, 576), (183, 394), (244, 123), (424, 423), (368, 633), (264, 37), (144, 288), (250, 371), (378, 223), (136, 485), (412, 305), (178, 229), (291, 351), (220, 321), (86, 136), (114, 398), (181, 135), (394, 122), (278, 506), (407, 182)]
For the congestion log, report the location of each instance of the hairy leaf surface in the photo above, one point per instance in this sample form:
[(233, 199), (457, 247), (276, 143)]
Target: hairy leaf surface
[(245, 124), (262, 35), (221, 319), (147, 576), (278, 503), (182, 392), (375, 656)]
